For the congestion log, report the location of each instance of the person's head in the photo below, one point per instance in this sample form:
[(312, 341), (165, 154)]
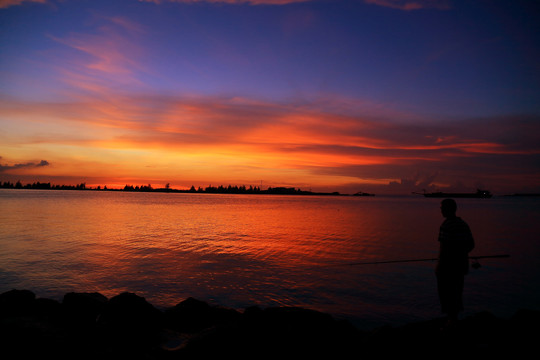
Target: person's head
[(448, 208)]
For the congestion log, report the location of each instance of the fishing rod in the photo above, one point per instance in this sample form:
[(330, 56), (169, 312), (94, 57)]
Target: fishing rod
[(475, 258)]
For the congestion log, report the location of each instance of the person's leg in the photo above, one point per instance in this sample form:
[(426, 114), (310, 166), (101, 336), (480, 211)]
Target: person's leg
[(450, 290)]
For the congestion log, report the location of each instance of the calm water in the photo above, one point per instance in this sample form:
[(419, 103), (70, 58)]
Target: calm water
[(243, 250)]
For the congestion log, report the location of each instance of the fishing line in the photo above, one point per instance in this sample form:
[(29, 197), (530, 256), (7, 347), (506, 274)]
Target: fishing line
[(475, 265)]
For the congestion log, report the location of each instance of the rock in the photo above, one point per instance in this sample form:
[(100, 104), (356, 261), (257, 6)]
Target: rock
[(17, 303), (274, 332), (129, 316), (83, 309), (30, 327), (301, 330), (47, 309), (129, 327), (192, 315), (525, 327), (526, 319)]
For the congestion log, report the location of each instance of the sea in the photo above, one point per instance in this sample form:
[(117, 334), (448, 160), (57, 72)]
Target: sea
[(238, 251)]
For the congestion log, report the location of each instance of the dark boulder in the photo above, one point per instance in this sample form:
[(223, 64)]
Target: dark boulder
[(192, 315), (82, 309), (525, 328), (17, 303), (47, 309), (130, 317), (30, 327), (275, 332), (298, 330)]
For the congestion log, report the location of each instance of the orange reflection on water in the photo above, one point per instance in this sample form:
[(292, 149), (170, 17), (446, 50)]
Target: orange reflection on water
[(170, 246), (238, 251)]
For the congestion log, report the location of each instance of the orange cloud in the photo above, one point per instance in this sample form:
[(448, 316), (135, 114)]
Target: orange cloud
[(97, 130), (257, 132), (204, 138)]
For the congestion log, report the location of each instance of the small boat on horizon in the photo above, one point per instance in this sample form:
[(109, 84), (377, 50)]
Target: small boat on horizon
[(480, 194)]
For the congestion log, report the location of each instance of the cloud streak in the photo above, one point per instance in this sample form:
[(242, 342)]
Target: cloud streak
[(262, 135), (28, 165), (105, 58)]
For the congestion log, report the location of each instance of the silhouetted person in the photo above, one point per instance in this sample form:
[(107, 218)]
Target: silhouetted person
[(456, 241)]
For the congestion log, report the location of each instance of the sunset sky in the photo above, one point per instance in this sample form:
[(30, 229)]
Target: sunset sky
[(386, 96)]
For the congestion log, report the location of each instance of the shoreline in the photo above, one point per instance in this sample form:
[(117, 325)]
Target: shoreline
[(92, 326)]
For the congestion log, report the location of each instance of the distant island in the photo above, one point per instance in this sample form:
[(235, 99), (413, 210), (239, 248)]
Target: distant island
[(167, 189)]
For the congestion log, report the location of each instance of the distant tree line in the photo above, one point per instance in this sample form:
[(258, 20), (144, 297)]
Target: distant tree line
[(222, 190), (148, 188), (228, 190), (40, 185)]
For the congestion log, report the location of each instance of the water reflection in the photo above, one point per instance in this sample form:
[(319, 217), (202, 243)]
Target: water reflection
[(238, 250)]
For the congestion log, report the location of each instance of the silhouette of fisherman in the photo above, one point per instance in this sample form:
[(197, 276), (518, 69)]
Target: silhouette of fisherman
[(455, 241)]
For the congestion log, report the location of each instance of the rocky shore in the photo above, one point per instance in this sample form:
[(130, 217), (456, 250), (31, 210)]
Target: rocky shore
[(126, 326)]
